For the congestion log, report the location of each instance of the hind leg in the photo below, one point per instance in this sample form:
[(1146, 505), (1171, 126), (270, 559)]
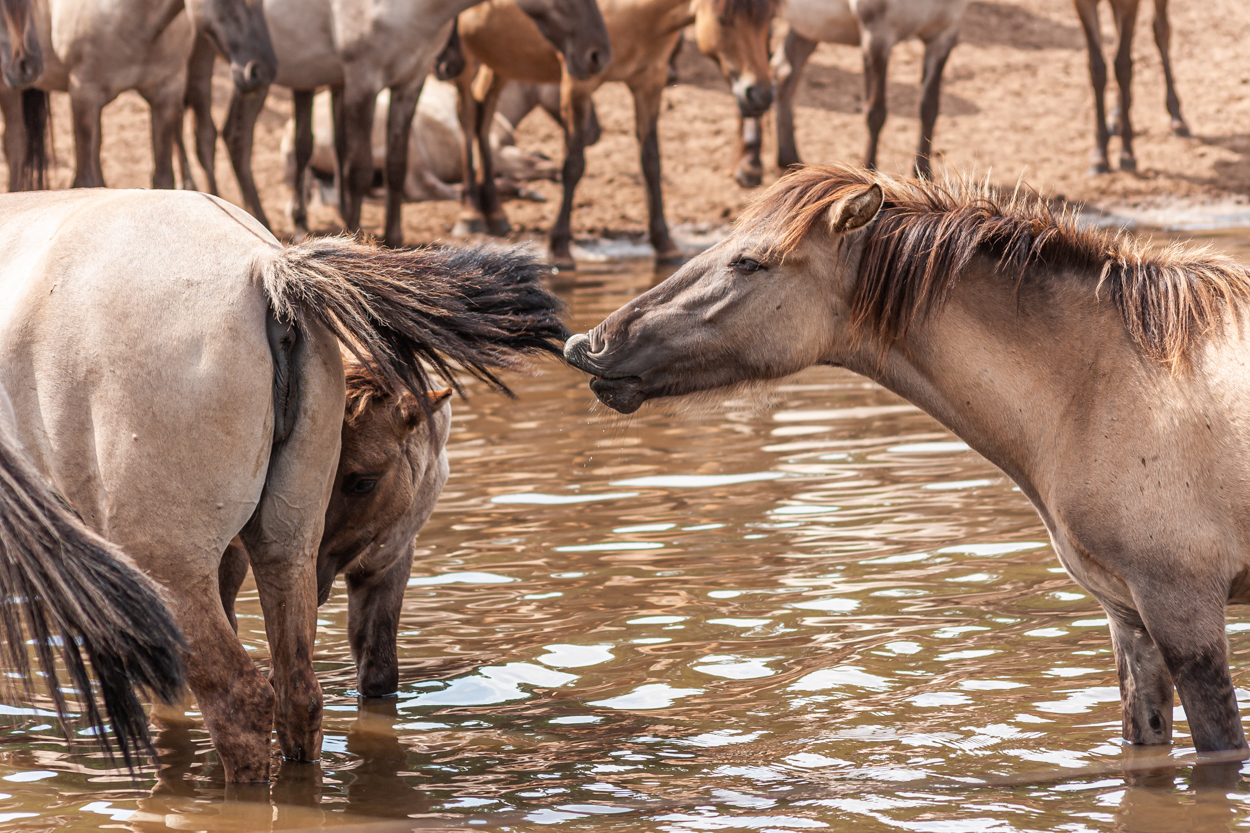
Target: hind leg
[(283, 535), (936, 52)]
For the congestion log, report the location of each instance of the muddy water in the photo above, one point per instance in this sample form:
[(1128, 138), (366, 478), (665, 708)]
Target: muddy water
[(822, 613)]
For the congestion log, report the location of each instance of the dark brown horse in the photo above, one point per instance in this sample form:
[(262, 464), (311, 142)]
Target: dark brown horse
[(1106, 378), (1125, 12)]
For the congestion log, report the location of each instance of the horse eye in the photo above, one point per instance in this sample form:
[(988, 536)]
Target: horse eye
[(360, 485), (747, 265)]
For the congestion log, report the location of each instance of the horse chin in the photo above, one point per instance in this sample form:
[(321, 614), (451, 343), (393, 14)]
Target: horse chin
[(624, 395)]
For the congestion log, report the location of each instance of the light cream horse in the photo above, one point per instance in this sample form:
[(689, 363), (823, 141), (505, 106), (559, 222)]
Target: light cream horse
[(1106, 378), (358, 48), (176, 375), (392, 468), (96, 50), (643, 34), (875, 26)]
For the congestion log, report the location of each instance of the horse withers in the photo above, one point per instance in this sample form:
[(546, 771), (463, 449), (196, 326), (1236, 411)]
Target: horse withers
[(1106, 378), (392, 468), (176, 375)]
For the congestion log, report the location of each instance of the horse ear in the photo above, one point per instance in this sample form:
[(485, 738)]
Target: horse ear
[(850, 213), (438, 397), (410, 411)]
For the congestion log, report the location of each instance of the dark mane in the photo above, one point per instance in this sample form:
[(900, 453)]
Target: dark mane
[(757, 12), (925, 236)]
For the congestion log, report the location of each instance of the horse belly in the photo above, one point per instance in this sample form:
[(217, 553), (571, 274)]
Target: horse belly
[(826, 21)]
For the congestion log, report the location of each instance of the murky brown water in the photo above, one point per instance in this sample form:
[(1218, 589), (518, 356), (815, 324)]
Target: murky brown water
[(825, 613)]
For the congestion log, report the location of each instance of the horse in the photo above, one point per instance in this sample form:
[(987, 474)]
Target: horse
[(357, 49), (176, 375), (435, 166), (392, 468), (1105, 377), (1125, 13), (21, 63), (643, 34), (79, 599), (874, 26), (95, 51)]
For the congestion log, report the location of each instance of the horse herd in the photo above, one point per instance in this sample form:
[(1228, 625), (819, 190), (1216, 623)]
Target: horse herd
[(166, 50)]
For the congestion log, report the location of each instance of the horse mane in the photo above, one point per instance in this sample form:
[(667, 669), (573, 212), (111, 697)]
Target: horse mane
[(926, 235), (757, 12)]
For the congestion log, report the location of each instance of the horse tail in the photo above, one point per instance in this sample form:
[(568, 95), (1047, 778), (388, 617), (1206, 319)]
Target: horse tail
[(473, 310), (73, 594), (37, 121)]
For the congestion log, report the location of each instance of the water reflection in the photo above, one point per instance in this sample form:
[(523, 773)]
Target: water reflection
[(822, 614)]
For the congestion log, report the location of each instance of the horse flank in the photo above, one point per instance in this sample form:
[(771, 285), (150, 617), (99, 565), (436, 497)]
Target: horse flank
[(927, 234), (471, 310)]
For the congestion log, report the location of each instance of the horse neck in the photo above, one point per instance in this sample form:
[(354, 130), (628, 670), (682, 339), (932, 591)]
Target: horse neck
[(1009, 370)]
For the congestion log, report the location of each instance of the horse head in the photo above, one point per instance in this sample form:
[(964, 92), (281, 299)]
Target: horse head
[(239, 31), (21, 59), (576, 29), (735, 34)]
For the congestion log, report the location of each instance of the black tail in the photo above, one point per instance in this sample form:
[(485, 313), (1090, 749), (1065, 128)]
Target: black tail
[(67, 590), (471, 310), (37, 121)]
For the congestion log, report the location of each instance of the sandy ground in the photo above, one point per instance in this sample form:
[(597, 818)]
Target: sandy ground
[(1016, 102)]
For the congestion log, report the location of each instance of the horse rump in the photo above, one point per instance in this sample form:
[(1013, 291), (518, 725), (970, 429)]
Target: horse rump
[(471, 310), (71, 593)]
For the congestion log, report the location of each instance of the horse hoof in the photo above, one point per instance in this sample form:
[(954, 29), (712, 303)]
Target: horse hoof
[(1098, 168), (468, 226), (498, 226), (1181, 129), (749, 177), (1128, 164)]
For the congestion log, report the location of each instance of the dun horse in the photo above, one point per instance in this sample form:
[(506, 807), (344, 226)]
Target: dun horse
[(1106, 379), (392, 468), (1125, 12), (25, 111), (875, 28), (357, 49), (199, 345), (643, 34), (74, 595)]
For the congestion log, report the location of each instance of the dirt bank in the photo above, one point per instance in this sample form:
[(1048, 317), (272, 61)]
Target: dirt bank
[(1016, 101)]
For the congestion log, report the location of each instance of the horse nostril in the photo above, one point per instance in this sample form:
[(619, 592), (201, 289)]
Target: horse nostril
[(251, 73), (595, 61)]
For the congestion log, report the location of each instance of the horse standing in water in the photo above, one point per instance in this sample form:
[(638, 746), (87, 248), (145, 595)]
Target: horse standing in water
[(874, 26), (1125, 12), (392, 468), (198, 344), (1106, 379), (357, 49), (643, 34)]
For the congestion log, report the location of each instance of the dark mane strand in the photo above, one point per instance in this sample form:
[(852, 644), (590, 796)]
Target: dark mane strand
[(926, 235)]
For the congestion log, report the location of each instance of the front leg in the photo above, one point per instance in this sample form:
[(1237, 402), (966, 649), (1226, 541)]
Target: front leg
[(936, 51), (297, 208), (86, 104), (1163, 36), (374, 604), (574, 112), (355, 120), (1145, 684), (238, 132), (398, 137), (876, 47), (1087, 10), (199, 100), (1126, 21), (647, 98), (749, 170), (788, 69), (496, 220)]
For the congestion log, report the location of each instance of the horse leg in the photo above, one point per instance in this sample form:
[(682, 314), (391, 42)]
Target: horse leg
[(788, 69), (230, 574), (14, 134), (283, 535), (1192, 642), (749, 170), (184, 164), (199, 101), (86, 104), (936, 51), (1087, 10), (470, 220), (238, 133), (398, 137), (1125, 21), (574, 108), (359, 99), (876, 67), (373, 608), (297, 207), (647, 99), (167, 106), (1163, 37), (1145, 684), (496, 219)]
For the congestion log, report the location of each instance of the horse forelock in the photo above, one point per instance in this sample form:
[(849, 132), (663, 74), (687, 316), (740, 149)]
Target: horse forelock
[(926, 234), (365, 387)]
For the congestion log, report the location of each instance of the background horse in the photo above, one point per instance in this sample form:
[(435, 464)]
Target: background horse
[(1107, 379), (25, 111), (392, 468), (76, 597), (199, 344), (1125, 12), (643, 34), (357, 49)]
